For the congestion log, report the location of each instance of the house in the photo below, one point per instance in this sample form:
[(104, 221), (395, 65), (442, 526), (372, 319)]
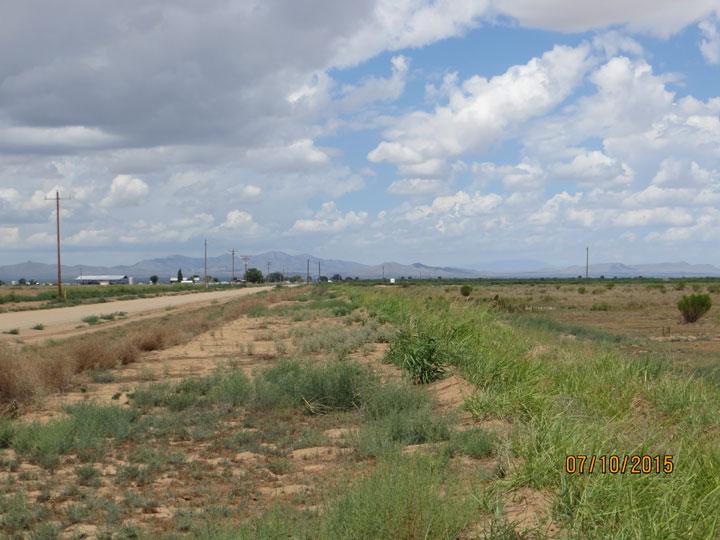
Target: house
[(104, 280)]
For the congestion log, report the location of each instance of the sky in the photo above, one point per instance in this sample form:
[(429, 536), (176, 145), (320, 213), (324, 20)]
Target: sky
[(448, 132)]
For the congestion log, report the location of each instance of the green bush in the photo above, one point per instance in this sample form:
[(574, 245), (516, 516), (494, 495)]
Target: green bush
[(421, 354), (582, 290), (694, 306), (465, 290), (600, 306)]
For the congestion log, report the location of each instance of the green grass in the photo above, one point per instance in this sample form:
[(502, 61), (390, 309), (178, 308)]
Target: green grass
[(84, 425), (584, 397)]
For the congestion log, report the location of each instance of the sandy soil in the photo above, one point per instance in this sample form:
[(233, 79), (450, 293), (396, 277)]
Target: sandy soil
[(62, 322)]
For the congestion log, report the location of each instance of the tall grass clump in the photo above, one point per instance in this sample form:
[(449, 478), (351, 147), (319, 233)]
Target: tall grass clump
[(422, 355), (398, 414), (86, 424), (694, 306), (402, 499), (316, 388)]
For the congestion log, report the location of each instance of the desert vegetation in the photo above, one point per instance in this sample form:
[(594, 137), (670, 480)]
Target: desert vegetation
[(326, 416)]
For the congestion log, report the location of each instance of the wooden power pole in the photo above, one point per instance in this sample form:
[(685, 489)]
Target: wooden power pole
[(587, 261), (307, 277), (57, 212), (205, 278), (232, 279)]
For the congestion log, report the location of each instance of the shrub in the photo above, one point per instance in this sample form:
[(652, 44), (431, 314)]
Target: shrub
[(601, 306), (465, 290), (694, 306), (422, 355), (582, 290)]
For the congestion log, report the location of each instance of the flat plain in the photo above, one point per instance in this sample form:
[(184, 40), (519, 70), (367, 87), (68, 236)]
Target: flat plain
[(360, 411)]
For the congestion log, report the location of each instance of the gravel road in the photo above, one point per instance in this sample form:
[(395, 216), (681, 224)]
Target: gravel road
[(64, 320)]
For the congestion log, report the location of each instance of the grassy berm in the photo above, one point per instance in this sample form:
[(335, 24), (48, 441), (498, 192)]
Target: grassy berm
[(340, 429)]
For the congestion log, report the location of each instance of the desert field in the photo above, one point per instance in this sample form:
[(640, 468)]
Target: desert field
[(372, 411)]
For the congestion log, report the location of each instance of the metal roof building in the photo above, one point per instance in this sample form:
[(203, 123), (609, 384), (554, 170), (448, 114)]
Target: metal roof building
[(104, 280)]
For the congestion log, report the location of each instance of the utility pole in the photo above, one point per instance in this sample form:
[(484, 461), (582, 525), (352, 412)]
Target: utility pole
[(587, 261), (232, 280), (318, 271), (205, 278), (307, 278), (57, 212), (383, 271), (268, 263), (245, 260)]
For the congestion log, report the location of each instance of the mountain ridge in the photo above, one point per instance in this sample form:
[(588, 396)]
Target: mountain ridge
[(221, 267)]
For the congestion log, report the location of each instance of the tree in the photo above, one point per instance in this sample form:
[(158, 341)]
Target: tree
[(253, 275), (215, 280), (22, 281), (323, 278), (180, 276), (275, 277), (154, 279), (336, 277)]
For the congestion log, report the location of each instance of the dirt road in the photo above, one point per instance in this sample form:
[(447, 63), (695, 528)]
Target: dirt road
[(61, 322)]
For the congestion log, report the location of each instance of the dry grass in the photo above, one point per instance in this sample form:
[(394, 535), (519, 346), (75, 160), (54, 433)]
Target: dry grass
[(38, 370)]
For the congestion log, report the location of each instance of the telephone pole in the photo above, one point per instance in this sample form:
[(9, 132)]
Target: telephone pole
[(383, 271), (205, 279), (232, 280), (245, 260), (57, 212), (587, 261), (268, 263), (318, 271), (307, 278)]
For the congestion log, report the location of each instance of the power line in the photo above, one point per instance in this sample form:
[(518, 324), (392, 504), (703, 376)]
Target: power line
[(57, 211), (268, 263)]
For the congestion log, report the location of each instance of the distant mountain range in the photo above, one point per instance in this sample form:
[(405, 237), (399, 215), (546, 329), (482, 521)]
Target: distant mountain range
[(221, 267)]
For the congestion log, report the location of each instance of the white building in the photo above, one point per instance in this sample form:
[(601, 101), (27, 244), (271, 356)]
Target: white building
[(103, 280)]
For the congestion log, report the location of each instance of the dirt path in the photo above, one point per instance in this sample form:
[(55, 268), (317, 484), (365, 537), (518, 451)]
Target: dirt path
[(61, 322)]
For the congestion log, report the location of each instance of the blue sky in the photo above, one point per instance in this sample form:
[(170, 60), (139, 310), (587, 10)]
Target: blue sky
[(447, 132)]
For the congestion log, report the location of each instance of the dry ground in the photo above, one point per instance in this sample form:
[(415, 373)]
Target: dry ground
[(67, 321), (645, 313), (237, 468)]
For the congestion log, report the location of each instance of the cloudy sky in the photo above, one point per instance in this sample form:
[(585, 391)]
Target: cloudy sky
[(451, 132)]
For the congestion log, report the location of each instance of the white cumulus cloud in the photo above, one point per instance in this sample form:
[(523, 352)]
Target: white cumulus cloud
[(126, 190)]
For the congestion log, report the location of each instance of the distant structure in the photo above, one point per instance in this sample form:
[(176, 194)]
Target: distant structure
[(103, 280)]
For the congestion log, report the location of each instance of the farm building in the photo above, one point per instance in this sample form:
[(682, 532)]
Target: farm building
[(103, 280)]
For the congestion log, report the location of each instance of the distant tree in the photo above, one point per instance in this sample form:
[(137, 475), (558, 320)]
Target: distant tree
[(253, 275), (336, 277), (180, 276), (297, 279), (323, 278), (22, 281), (154, 279), (216, 280), (275, 277), (33, 282), (2, 283)]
